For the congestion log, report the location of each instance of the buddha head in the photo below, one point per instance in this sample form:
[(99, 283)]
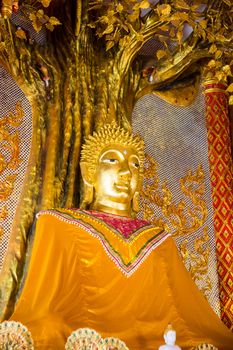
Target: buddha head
[(111, 166), (170, 335)]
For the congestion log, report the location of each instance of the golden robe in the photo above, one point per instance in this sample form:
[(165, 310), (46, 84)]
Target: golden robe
[(119, 276)]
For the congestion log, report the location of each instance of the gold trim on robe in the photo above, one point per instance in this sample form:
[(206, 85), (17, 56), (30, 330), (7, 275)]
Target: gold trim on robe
[(126, 251)]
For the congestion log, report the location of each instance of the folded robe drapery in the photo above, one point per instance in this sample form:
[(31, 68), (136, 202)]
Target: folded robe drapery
[(119, 276)]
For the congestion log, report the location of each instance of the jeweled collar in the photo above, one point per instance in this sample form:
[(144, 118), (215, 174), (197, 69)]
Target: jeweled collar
[(127, 250)]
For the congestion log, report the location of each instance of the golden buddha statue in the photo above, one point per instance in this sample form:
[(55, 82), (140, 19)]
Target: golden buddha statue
[(112, 166), (98, 267)]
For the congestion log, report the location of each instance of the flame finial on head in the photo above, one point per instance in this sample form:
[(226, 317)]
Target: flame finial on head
[(169, 328)]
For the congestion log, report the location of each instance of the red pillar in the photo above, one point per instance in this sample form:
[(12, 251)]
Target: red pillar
[(221, 174)]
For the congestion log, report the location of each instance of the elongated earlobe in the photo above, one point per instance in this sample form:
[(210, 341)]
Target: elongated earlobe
[(135, 202), (87, 196), (88, 190)]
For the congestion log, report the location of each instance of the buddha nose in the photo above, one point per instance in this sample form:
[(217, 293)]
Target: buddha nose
[(125, 172)]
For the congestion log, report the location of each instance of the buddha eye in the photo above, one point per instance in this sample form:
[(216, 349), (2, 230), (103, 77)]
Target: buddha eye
[(110, 161)]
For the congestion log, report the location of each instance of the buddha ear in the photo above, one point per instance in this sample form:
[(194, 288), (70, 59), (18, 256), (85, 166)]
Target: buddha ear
[(86, 173), (135, 203), (88, 188)]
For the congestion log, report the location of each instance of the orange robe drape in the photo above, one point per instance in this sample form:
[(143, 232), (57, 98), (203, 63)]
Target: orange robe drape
[(84, 273)]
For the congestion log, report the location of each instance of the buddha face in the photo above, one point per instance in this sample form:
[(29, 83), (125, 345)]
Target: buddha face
[(116, 179)]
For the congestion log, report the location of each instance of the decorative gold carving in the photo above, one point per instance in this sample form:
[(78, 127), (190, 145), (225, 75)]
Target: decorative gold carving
[(9, 155), (197, 262), (3, 215), (178, 218), (6, 187)]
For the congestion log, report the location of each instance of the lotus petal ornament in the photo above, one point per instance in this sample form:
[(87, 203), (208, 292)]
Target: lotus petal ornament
[(15, 336), (89, 339), (84, 339)]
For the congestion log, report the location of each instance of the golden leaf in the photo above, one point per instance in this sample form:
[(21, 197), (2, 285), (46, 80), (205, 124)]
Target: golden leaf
[(124, 41), (110, 44), (220, 38), (212, 64), (220, 76), (213, 48), (218, 54), (231, 100), (133, 16), (164, 28), (109, 29), (227, 69), (54, 21), (37, 25), (110, 13), (164, 9), (104, 19), (203, 23), (195, 7), (175, 23), (136, 6), (160, 54), (144, 4), (32, 16), (184, 16), (20, 33), (40, 13), (230, 88), (45, 3), (119, 8), (203, 34), (182, 4), (211, 37), (49, 26)]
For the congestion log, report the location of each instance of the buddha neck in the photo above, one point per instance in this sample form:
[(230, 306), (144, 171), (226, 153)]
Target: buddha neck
[(120, 209)]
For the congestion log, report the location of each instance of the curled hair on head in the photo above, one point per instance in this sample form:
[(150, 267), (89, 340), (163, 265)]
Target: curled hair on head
[(109, 134)]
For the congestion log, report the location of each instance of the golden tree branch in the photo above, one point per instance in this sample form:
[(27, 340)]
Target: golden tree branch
[(128, 52)]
